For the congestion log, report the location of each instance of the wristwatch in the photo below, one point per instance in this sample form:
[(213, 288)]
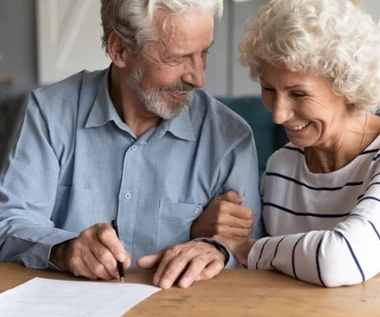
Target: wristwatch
[(220, 247)]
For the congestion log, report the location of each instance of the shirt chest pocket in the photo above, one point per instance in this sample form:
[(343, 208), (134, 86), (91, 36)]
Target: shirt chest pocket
[(175, 221)]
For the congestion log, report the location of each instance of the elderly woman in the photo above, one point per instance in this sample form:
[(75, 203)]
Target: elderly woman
[(318, 64)]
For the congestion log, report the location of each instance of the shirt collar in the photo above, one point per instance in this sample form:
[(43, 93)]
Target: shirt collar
[(181, 127), (104, 111)]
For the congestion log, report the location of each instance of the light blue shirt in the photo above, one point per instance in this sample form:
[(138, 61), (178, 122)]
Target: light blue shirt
[(76, 163)]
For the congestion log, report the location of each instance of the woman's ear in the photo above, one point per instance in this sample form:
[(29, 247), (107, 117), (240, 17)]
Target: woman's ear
[(117, 50)]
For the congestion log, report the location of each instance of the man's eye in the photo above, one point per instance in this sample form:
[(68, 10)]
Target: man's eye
[(179, 60), (268, 89), (174, 62), (298, 94)]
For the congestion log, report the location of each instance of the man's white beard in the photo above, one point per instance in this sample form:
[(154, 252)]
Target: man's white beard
[(153, 102)]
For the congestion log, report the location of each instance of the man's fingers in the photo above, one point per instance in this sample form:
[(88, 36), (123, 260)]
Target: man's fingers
[(108, 237), (149, 262), (211, 270), (185, 264), (171, 274), (171, 266), (127, 262), (231, 197), (200, 268), (79, 268), (98, 267)]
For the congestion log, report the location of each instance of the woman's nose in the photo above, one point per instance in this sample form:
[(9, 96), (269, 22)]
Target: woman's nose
[(281, 110)]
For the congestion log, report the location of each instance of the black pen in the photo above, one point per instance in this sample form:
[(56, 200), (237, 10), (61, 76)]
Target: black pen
[(119, 264)]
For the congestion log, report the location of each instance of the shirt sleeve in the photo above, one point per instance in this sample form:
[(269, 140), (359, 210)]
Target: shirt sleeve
[(345, 255), (239, 171), (27, 195), (241, 166), (243, 178)]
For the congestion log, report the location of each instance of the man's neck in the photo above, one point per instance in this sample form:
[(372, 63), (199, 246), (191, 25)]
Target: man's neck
[(128, 106)]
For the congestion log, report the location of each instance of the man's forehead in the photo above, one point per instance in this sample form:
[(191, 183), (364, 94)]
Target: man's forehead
[(176, 32)]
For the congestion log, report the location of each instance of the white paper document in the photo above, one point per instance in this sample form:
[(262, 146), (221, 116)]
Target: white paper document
[(46, 297)]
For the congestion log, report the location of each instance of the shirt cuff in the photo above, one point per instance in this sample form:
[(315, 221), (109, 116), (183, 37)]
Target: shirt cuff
[(52, 266)]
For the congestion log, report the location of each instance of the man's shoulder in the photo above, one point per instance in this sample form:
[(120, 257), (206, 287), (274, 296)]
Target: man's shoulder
[(219, 115), (69, 91)]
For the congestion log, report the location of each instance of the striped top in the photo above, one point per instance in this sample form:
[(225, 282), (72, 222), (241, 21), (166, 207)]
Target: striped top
[(322, 228)]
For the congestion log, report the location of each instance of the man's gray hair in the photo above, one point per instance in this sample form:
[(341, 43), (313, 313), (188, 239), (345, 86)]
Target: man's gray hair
[(132, 20)]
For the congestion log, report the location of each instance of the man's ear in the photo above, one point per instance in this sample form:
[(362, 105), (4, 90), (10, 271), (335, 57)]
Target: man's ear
[(117, 51)]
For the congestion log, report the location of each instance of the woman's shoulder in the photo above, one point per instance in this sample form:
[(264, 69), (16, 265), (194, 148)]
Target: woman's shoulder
[(288, 154), (370, 157), (374, 145)]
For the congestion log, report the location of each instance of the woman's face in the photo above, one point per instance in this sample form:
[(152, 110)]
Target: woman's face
[(312, 114)]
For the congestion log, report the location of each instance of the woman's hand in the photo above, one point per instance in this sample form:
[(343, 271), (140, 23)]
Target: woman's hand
[(224, 216), (240, 248)]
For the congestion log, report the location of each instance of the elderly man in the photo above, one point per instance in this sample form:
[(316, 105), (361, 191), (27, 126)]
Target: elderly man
[(139, 143)]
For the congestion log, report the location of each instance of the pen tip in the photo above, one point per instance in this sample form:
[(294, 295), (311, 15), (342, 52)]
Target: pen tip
[(122, 279)]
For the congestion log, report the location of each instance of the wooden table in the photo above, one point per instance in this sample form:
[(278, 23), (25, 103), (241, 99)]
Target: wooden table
[(234, 293)]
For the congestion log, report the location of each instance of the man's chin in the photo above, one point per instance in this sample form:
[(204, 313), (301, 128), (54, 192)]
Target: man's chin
[(173, 109), (172, 114)]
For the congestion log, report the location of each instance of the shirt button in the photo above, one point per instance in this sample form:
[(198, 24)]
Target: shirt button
[(128, 196), (197, 210), (134, 147)]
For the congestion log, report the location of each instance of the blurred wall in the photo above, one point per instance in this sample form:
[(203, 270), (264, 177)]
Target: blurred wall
[(18, 45), (224, 74)]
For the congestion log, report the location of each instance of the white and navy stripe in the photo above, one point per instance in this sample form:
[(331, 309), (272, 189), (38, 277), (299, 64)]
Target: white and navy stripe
[(323, 228)]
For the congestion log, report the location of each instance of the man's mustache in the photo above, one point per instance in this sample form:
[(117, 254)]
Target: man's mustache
[(178, 87)]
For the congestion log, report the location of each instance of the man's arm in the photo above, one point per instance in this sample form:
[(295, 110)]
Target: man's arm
[(27, 195), (238, 210), (191, 261)]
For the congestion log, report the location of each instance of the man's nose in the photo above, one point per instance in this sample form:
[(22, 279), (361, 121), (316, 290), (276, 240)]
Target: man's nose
[(195, 74)]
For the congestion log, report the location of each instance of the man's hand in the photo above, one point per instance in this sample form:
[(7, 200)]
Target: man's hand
[(188, 262), (93, 254), (240, 248), (223, 216)]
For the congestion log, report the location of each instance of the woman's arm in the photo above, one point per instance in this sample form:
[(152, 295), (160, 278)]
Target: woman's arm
[(345, 255)]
